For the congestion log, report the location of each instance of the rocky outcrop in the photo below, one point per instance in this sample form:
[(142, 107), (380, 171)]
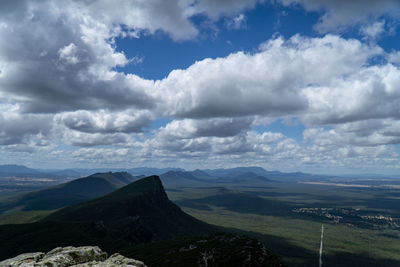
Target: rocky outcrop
[(71, 257)]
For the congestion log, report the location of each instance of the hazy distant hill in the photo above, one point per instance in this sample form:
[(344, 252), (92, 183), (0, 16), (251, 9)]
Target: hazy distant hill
[(151, 171), (16, 169), (248, 177), (260, 173), (23, 171), (199, 178), (202, 175), (174, 179), (70, 173), (236, 171), (134, 171), (206, 175), (73, 192)]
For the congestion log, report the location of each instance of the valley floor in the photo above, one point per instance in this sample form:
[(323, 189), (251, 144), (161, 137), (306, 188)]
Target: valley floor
[(271, 214)]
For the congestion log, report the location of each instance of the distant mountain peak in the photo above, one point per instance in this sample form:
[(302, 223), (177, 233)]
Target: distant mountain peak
[(198, 172), (14, 166), (138, 213), (148, 186), (17, 169)]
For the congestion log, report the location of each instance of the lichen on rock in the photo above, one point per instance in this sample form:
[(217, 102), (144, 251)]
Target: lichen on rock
[(71, 257)]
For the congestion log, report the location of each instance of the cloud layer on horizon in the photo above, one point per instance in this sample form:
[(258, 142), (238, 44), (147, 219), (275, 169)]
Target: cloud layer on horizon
[(59, 88)]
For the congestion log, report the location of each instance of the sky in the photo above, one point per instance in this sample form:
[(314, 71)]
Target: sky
[(289, 85)]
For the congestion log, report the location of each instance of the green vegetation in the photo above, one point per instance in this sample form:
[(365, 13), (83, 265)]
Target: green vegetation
[(219, 249), (20, 217), (137, 213), (362, 224), (62, 195), (268, 214)]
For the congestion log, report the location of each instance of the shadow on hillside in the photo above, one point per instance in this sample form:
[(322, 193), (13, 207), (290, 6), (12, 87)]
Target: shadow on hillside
[(291, 254)]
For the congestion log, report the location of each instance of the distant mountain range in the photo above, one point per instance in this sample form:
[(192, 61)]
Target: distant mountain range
[(198, 178), (171, 177), (16, 169), (99, 184), (230, 177), (205, 174), (23, 171)]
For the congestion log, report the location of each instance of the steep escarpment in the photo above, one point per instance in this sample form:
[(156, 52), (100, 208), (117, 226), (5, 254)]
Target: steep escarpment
[(134, 214), (76, 191), (139, 212)]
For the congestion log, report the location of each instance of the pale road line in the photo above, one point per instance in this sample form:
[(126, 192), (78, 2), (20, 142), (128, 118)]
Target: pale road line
[(320, 246)]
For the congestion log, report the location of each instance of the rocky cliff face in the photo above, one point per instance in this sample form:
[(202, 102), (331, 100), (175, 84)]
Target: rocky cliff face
[(71, 257)]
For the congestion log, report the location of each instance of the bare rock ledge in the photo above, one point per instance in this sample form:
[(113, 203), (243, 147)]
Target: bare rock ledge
[(71, 257)]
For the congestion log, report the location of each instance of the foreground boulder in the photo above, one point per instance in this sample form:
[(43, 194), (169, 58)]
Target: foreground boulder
[(71, 257)]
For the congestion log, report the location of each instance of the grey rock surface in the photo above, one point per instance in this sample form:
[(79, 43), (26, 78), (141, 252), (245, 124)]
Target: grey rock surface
[(71, 257)]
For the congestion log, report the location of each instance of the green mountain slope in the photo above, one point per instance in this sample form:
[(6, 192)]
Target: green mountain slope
[(137, 220), (137, 213), (220, 249), (73, 192)]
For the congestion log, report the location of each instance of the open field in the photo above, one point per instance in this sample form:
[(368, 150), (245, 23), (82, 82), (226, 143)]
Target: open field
[(366, 233), (20, 217)]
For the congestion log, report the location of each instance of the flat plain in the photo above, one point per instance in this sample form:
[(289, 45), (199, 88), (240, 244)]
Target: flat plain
[(362, 224)]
